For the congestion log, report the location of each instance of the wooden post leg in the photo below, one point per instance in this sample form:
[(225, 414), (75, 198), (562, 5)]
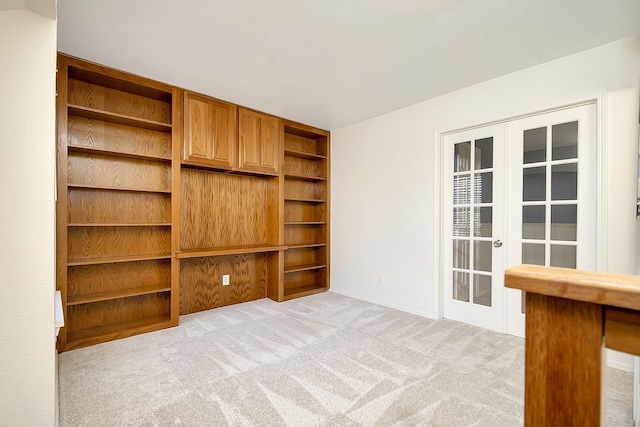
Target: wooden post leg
[(563, 362)]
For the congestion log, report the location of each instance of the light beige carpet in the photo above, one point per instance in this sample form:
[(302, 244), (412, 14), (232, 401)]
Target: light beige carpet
[(324, 360)]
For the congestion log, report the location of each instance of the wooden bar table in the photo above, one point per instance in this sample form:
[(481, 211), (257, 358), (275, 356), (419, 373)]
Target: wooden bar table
[(570, 316)]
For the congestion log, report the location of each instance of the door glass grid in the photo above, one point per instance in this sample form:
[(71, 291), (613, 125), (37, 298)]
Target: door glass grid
[(473, 221), (550, 196)]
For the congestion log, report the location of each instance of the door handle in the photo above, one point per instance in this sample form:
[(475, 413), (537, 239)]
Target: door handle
[(497, 243)]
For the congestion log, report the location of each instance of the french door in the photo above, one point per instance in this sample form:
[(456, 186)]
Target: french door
[(474, 226), (516, 192)]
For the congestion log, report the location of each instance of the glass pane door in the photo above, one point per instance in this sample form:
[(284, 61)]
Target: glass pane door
[(551, 160), (474, 268), (473, 221)]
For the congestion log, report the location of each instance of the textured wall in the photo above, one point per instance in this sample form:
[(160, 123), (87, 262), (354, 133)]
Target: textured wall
[(27, 218)]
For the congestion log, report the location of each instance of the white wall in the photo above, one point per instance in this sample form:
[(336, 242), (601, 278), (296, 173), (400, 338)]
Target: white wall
[(385, 174), (27, 218)]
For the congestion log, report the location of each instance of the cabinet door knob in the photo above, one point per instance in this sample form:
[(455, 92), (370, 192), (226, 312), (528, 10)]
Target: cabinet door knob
[(497, 243)]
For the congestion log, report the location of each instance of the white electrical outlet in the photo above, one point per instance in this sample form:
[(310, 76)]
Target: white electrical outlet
[(225, 279), (381, 279)]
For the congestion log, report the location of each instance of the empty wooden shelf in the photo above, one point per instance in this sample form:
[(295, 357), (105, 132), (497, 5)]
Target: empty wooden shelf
[(116, 180), (306, 212)]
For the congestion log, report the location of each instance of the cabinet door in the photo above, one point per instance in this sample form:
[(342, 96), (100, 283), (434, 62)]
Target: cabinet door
[(259, 142), (210, 132)]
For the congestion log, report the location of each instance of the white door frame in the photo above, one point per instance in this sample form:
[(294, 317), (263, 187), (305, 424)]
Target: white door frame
[(601, 192)]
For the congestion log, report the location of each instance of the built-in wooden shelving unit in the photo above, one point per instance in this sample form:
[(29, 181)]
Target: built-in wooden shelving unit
[(172, 202), (306, 212), (116, 185)]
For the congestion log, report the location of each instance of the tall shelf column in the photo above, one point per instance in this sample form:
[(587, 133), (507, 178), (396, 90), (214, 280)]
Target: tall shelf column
[(115, 190), (306, 212)]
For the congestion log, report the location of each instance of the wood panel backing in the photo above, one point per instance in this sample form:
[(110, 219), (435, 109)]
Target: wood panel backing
[(89, 279), (304, 167), (96, 242), (275, 210), (105, 171), (115, 101), (305, 145), (302, 211), (111, 136), (305, 256), (88, 316), (201, 281), (100, 75), (275, 275), (99, 206), (304, 234), (563, 362), (314, 278), (297, 189), (222, 210)]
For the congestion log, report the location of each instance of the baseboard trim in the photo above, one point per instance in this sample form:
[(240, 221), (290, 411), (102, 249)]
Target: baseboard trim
[(384, 304)]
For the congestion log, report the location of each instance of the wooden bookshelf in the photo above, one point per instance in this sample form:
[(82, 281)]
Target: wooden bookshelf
[(115, 189), (165, 195), (306, 212)]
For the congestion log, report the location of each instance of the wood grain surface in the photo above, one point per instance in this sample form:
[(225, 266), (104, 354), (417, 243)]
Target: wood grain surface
[(97, 206), (314, 145), (304, 256), (177, 132), (622, 330), (563, 362), (108, 171), (89, 279), (304, 167), (303, 278), (618, 290), (88, 316), (304, 234), (210, 131), (275, 210), (116, 101), (222, 210), (259, 142), (61, 191), (110, 136), (82, 70), (114, 132), (297, 189), (201, 281), (96, 242), (303, 211)]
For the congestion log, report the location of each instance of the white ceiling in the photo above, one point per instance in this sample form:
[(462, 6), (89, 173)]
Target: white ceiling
[(332, 63)]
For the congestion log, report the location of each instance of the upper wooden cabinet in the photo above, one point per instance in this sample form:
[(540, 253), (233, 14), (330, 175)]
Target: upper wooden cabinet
[(259, 142), (209, 132)]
